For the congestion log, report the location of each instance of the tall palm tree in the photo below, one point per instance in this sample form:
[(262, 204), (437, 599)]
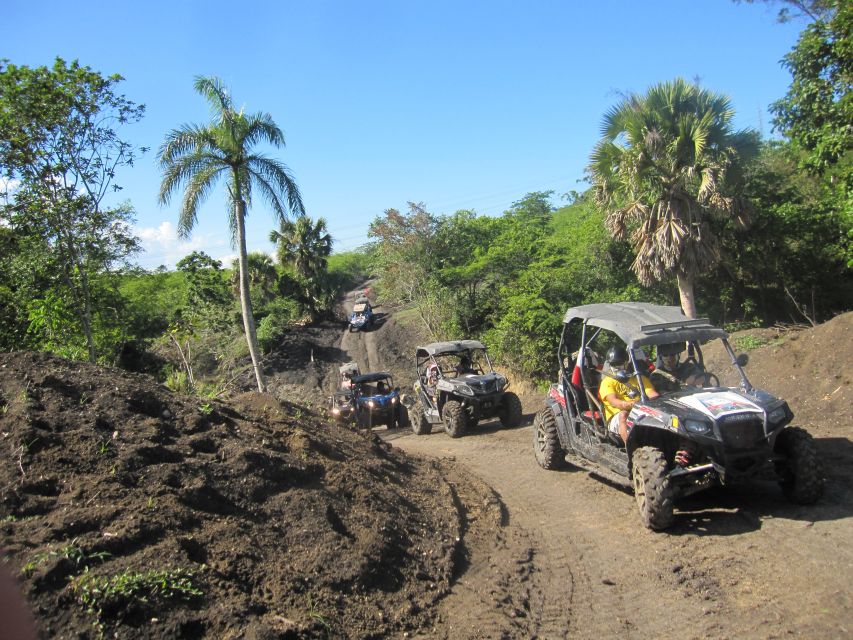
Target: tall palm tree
[(197, 156), (660, 170), (303, 244)]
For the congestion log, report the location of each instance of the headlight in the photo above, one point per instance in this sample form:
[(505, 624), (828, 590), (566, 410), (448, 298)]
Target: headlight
[(465, 390), (697, 426), (777, 415), (336, 411), (371, 403), (501, 382), (394, 400)]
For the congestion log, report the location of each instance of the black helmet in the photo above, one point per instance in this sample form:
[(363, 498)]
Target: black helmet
[(616, 355), (671, 349)]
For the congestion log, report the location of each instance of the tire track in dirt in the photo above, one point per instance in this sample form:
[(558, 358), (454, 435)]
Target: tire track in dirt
[(588, 575)]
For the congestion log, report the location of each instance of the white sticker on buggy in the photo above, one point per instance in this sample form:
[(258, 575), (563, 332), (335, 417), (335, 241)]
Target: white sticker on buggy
[(720, 403)]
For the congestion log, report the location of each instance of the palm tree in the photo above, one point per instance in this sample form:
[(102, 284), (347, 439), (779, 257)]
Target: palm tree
[(198, 156), (660, 170), (304, 245), (262, 275)]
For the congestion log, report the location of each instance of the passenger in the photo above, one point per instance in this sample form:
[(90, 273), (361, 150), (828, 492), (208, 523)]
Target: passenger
[(433, 374), (620, 397)]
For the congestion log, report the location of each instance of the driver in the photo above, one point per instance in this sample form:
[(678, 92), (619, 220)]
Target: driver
[(672, 373), (620, 397), (464, 366)]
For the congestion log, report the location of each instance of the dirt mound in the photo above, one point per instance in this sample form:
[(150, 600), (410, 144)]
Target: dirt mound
[(133, 512)]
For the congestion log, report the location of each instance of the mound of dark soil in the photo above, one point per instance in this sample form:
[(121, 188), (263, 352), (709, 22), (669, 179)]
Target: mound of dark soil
[(133, 512)]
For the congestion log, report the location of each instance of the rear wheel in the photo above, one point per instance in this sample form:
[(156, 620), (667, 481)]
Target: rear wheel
[(546, 444), (800, 475), (455, 419), (420, 424), (510, 410), (652, 488)]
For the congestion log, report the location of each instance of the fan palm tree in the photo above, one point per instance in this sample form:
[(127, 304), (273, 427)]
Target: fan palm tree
[(304, 245), (197, 156), (262, 275), (660, 171)]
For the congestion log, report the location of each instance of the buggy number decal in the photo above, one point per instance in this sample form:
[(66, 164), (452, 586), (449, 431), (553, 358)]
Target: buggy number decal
[(720, 403)]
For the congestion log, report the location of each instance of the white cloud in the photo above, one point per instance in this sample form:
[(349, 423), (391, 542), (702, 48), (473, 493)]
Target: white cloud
[(162, 246)]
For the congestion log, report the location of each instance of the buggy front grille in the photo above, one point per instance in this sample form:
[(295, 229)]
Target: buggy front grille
[(489, 386), (742, 431)]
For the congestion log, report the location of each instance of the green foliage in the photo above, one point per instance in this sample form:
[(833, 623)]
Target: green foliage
[(208, 300), (817, 110), (794, 253), (748, 343), (282, 313), (60, 148), (104, 596), (507, 280)]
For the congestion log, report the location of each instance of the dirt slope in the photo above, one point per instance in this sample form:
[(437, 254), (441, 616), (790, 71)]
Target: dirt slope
[(258, 519)]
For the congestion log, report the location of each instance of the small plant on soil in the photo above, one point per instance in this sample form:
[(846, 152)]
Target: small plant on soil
[(102, 596), (206, 408), (316, 616), (71, 551)]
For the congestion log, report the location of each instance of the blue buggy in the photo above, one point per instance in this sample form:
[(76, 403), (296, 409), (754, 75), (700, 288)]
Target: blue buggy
[(377, 401)]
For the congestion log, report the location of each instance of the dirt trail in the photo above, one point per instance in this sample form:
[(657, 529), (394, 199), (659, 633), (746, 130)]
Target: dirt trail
[(565, 556)]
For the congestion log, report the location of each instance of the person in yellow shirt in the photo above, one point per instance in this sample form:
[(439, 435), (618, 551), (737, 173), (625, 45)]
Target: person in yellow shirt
[(620, 397)]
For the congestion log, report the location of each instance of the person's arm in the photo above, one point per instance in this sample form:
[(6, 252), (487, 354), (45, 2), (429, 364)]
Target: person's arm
[(617, 403), (649, 388)]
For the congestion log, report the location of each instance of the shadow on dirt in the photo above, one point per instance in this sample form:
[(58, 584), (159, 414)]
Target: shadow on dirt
[(739, 509)]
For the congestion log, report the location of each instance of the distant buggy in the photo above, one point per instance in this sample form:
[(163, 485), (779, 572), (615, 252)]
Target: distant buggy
[(457, 387), (687, 439), (377, 401), (362, 316)]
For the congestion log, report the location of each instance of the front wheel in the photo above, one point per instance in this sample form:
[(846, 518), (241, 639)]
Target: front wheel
[(652, 488), (420, 424), (510, 410), (402, 417), (546, 443), (800, 474), (455, 419)]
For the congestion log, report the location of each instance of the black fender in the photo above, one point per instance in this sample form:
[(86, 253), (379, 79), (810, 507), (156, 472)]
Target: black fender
[(561, 418)]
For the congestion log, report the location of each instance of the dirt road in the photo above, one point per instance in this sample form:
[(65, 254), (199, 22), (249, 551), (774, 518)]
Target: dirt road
[(563, 554)]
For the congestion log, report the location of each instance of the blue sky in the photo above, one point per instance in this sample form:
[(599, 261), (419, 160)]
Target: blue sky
[(459, 105)]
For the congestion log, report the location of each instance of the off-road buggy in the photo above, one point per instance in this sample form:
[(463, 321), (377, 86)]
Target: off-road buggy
[(456, 386), (682, 441), (362, 316), (341, 404), (377, 401)]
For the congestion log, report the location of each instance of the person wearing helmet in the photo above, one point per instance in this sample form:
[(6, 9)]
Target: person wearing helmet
[(619, 390), (464, 366), (672, 373)]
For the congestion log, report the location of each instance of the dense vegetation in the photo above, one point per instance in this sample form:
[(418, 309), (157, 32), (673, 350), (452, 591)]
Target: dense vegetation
[(681, 210)]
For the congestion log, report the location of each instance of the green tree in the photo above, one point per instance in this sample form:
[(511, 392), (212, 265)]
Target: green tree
[(817, 112), (61, 150), (304, 244), (263, 279), (208, 301), (198, 156), (660, 170)]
